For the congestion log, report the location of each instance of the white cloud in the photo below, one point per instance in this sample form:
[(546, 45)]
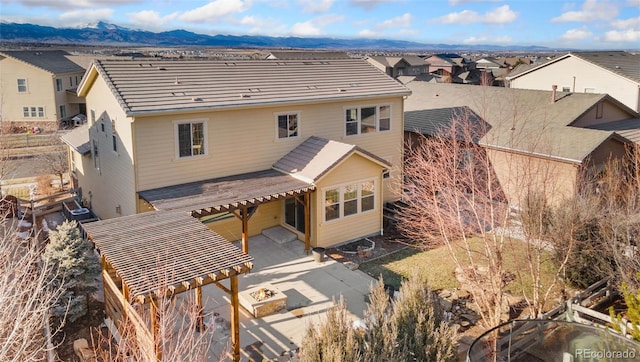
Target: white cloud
[(576, 34), (152, 18), (215, 9), (305, 29), (460, 2), (369, 4), (408, 32), (403, 21), (70, 4), (632, 23), (85, 16), (500, 15), (367, 33), (314, 26), (316, 6), (591, 10), (622, 36), (486, 39), (264, 26)]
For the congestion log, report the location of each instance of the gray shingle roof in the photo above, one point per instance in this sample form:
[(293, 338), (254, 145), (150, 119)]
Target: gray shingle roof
[(435, 121), (78, 139), (521, 119), (622, 63), (628, 128), (314, 157), (53, 61), (316, 55), (162, 86)]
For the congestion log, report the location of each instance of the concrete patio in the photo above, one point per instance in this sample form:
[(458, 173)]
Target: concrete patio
[(310, 288)]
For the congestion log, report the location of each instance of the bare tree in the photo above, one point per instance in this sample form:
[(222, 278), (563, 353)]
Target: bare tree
[(55, 159), (454, 198), (26, 298)]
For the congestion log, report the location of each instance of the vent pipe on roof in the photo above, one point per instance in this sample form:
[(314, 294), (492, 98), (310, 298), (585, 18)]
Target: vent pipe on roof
[(554, 90)]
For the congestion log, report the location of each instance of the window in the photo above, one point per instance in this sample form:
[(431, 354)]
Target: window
[(59, 85), (102, 125), (70, 81), (33, 112), (287, 125), (349, 199), (95, 155), (25, 111), (41, 112), (92, 118), (294, 214), (367, 120), (589, 90), (114, 143), (63, 111), (599, 110), (566, 89), (191, 139), (22, 85)]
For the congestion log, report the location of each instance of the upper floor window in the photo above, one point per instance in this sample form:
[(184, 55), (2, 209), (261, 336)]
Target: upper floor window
[(191, 139), (22, 85), (41, 112), (95, 154), (114, 143), (59, 85), (287, 125), (349, 199), (367, 119)]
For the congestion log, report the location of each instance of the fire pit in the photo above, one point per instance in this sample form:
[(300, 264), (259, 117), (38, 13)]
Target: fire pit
[(262, 300)]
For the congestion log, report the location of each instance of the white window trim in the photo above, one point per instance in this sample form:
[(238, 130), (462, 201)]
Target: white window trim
[(59, 84), (275, 116), (340, 187), (359, 123), (176, 137), (26, 85)]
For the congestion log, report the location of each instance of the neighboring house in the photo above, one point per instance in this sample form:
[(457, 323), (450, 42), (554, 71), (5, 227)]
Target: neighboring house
[(38, 87), (490, 63), (313, 146), (307, 55), (530, 135), (409, 65), (616, 73), (447, 65)]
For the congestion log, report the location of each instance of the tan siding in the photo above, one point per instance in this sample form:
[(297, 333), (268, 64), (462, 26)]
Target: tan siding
[(611, 149), (40, 91), (333, 232), (610, 113), (267, 215), (586, 75), (114, 184), (245, 140), (520, 175)]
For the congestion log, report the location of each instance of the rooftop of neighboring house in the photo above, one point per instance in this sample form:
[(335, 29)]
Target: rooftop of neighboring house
[(52, 61), (520, 119), (446, 59), (391, 61), (622, 63), (307, 55), (162, 86), (628, 128)]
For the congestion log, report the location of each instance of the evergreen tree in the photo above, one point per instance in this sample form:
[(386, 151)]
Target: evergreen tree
[(77, 270)]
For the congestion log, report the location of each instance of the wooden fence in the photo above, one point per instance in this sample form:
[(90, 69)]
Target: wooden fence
[(127, 325)]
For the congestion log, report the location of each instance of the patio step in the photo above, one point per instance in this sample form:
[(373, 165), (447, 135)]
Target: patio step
[(279, 234)]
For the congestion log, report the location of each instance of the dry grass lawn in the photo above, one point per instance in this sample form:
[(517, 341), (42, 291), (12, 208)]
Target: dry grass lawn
[(437, 267)]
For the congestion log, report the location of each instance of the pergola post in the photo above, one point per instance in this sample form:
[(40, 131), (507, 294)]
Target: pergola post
[(125, 298), (244, 216), (307, 222), (235, 318), (200, 321), (155, 328)]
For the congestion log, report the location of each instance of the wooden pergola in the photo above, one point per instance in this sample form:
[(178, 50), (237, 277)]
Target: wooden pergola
[(155, 254), (239, 194)]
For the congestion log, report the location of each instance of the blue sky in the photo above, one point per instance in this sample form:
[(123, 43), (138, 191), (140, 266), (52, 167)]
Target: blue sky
[(581, 24)]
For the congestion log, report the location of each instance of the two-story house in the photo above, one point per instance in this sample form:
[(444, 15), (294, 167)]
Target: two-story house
[(314, 146), (38, 87), (408, 65), (616, 73), (537, 141)]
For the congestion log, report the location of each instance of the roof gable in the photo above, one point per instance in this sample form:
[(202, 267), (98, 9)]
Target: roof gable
[(316, 156), (188, 85), (52, 61)]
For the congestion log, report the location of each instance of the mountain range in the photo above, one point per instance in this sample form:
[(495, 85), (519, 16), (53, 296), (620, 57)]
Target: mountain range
[(103, 33)]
